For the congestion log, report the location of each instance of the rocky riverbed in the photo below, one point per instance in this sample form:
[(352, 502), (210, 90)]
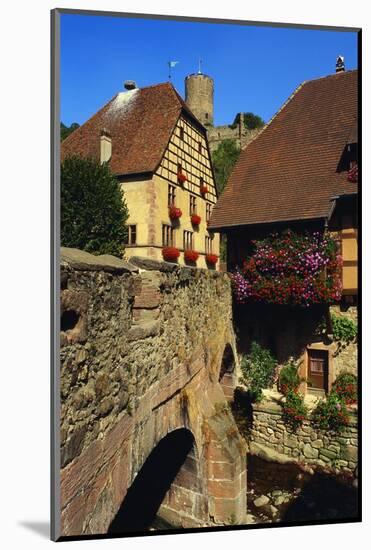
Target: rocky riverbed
[(285, 493)]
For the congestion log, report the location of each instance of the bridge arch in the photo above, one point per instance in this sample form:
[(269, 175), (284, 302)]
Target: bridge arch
[(227, 373), (166, 490)]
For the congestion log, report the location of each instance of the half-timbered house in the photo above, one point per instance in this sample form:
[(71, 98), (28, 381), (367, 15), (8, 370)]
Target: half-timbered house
[(300, 173), (158, 150)]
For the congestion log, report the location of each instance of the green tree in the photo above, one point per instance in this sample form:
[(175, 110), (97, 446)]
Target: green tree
[(250, 120), (258, 370), (67, 130), (93, 207), (224, 158)]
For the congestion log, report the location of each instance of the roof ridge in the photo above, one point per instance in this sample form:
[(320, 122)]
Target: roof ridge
[(111, 100), (276, 113), (291, 97), (332, 75)]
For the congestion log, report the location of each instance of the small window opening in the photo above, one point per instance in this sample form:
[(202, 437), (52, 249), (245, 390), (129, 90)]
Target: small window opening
[(69, 319)]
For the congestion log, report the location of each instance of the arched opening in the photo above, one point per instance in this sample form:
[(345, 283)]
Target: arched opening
[(227, 373), (69, 320), (172, 461)]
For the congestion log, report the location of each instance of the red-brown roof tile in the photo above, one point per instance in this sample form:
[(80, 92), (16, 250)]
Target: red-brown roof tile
[(140, 123), (290, 170)]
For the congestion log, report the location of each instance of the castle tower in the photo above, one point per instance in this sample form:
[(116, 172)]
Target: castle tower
[(199, 96)]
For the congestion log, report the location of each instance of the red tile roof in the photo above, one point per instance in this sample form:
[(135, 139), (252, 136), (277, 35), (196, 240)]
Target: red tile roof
[(140, 123), (289, 171)]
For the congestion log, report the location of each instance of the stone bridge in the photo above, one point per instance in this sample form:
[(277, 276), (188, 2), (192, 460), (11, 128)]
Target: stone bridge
[(147, 368)]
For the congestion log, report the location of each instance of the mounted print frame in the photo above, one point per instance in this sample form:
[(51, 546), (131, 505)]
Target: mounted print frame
[(206, 298)]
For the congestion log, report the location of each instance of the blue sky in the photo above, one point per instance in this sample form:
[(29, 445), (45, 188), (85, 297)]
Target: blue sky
[(254, 68)]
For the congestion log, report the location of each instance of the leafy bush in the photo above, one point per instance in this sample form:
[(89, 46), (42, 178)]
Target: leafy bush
[(93, 209), (294, 411), (250, 121), (289, 379), (345, 387), (258, 369), (330, 414), (344, 328)]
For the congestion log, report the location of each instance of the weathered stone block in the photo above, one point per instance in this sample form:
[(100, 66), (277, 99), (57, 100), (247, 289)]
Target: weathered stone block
[(144, 330), (326, 453), (261, 501), (309, 451)]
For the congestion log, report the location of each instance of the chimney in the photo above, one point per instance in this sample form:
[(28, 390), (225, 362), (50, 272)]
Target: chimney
[(340, 65), (105, 146), (130, 85)]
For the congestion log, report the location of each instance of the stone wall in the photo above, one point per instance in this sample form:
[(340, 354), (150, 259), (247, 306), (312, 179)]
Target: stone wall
[(142, 350), (334, 451), (241, 135), (345, 357)]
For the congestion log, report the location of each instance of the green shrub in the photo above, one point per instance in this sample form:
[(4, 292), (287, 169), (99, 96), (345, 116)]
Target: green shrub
[(289, 379), (294, 411), (345, 387), (344, 329), (258, 369), (331, 413), (93, 207)]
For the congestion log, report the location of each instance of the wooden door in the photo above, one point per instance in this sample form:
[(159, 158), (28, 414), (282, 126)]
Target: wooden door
[(318, 369)]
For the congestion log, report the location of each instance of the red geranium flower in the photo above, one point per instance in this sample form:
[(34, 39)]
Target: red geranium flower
[(211, 259), (175, 212), (196, 219), (203, 189), (191, 255), (181, 177), (170, 253)]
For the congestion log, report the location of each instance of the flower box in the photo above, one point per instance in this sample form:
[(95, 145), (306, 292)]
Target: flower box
[(181, 177), (191, 255), (211, 259), (170, 253), (203, 189), (195, 219), (174, 212)]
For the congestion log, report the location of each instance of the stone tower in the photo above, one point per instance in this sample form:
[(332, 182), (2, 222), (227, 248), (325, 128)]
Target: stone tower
[(199, 96)]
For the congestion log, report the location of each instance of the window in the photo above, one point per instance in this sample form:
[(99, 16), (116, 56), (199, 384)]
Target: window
[(171, 195), (208, 245), (181, 134), (179, 167), (200, 147), (167, 235), (201, 181), (208, 211), (187, 240), (192, 205), (131, 235), (206, 116)]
